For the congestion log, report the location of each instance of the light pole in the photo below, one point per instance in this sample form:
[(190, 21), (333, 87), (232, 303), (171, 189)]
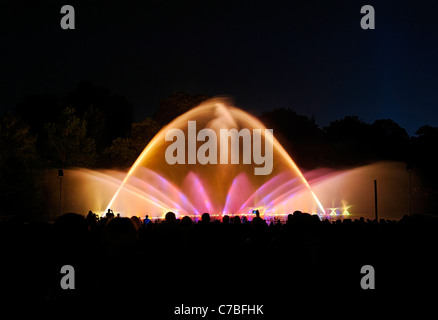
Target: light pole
[(60, 175), (409, 168), (375, 198)]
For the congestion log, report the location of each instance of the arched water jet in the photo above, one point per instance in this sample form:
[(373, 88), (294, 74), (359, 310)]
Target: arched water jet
[(240, 190), (151, 186), (196, 191), (214, 114)]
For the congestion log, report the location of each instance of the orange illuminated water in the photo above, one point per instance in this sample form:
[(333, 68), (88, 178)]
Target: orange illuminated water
[(210, 184), (152, 186)]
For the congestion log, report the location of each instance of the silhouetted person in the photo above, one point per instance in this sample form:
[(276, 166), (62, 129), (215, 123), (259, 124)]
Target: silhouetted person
[(91, 215), (70, 231), (146, 221), (120, 237), (170, 217), (257, 220), (236, 220), (316, 220), (136, 222), (91, 220), (225, 219), (205, 218), (109, 214), (186, 221)]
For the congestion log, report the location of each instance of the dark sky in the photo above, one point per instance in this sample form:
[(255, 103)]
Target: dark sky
[(310, 56)]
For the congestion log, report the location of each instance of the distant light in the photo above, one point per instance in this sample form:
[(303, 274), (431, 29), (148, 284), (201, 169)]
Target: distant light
[(345, 212)]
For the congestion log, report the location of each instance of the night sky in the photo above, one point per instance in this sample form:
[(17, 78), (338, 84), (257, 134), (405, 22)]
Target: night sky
[(311, 56)]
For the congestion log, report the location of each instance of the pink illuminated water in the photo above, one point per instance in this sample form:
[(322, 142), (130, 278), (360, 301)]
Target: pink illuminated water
[(153, 187), (154, 195)]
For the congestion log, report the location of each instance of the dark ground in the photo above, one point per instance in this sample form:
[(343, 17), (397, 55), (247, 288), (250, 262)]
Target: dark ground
[(304, 265)]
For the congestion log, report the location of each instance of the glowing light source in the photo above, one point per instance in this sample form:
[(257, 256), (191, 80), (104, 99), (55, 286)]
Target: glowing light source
[(345, 212)]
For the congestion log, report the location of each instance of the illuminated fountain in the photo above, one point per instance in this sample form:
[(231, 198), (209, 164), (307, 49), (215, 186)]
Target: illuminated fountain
[(153, 186)]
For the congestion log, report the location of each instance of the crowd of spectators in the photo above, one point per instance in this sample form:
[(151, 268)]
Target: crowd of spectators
[(125, 257)]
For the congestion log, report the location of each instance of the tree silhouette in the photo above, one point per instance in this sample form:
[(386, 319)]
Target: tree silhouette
[(124, 151), (21, 172), (349, 140), (176, 104), (423, 153), (68, 140), (108, 115), (390, 141), (299, 134)]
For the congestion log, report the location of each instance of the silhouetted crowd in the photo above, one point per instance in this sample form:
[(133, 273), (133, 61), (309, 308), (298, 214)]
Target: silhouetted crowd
[(230, 259)]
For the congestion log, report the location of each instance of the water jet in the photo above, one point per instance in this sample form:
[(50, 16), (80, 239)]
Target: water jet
[(152, 186)]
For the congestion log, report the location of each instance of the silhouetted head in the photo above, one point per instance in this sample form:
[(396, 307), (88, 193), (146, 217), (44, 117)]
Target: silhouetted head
[(303, 218), (170, 217), (186, 221), (290, 218), (120, 234), (91, 217), (70, 231), (316, 219), (110, 214), (236, 219), (136, 222), (225, 219), (205, 218), (297, 213)]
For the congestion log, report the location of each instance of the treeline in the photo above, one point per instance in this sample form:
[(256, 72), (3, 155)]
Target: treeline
[(94, 128), (350, 142), (89, 127)]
